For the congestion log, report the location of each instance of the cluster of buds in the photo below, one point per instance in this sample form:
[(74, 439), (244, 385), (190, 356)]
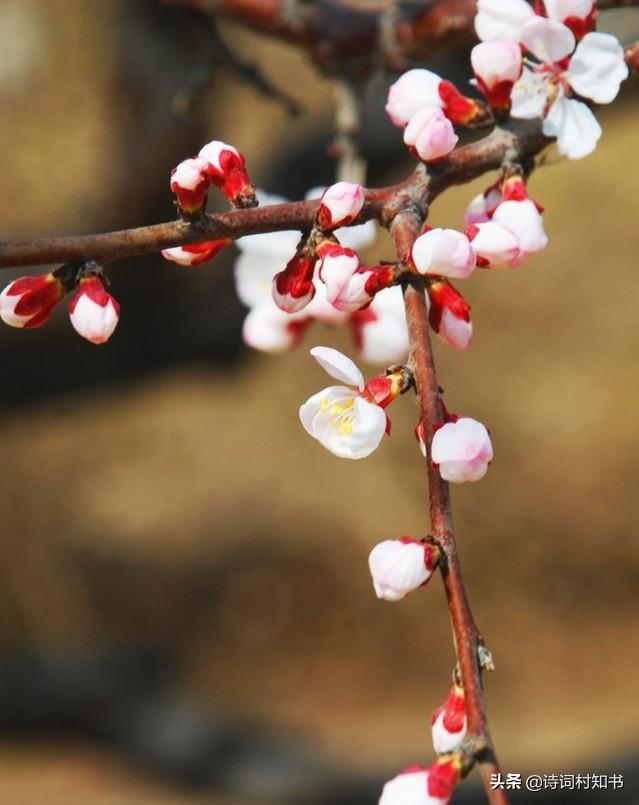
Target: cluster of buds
[(217, 164), (378, 323), (349, 286), (28, 302)]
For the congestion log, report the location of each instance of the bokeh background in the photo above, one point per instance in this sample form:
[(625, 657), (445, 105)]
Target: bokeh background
[(186, 614)]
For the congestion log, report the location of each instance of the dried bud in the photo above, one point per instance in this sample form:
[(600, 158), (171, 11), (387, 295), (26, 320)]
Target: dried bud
[(29, 301), (194, 253), (449, 722), (226, 169), (341, 203), (93, 311), (399, 566)]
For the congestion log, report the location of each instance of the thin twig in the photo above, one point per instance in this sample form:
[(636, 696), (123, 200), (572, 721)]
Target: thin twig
[(468, 641)]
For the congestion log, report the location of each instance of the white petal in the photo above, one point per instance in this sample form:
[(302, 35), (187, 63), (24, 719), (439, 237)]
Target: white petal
[(575, 127), (338, 366), (345, 424), (548, 40), (495, 243), (530, 94), (269, 329), (382, 333), (254, 276), (598, 67), (501, 19), (463, 440)]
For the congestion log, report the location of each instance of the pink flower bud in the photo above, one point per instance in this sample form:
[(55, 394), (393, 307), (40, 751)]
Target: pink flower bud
[(497, 65), (29, 301), (226, 169), (449, 722), (494, 244), (195, 253), (419, 785), (462, 449), (443, 252), (482, 207), (399, 566), (414, 90), (338, 271), (190, 184), (523, 219), (449, 315), (341, 203), (93, 311), (430, 135), (293, 288)]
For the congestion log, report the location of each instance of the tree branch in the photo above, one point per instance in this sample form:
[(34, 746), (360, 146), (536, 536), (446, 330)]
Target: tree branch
[(349, 39), (468, 641), (519, 141)]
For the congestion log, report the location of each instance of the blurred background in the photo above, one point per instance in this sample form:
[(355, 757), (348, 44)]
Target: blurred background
[(186, 612)]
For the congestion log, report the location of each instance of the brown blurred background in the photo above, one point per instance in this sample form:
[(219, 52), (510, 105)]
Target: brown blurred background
[(185, 606)]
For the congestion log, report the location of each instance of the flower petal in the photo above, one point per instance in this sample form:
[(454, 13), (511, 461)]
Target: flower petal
[(548, 40), (497, 19), (529, 95), (598, 67), (338, 366), (575, 127)]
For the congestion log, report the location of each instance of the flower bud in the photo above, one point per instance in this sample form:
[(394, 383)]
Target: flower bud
[(293, 288), (430, 135), (497, 65), (449, 315), (338, 270), (462, 449), (190, 184), (93, 311), (482, 207), (194, 254), (413, 91), (341, 203), (443, 252), (226, 169), (494, 244), (449, 722), (399, 566), (523, 219), (29, 301), (419, 785)]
